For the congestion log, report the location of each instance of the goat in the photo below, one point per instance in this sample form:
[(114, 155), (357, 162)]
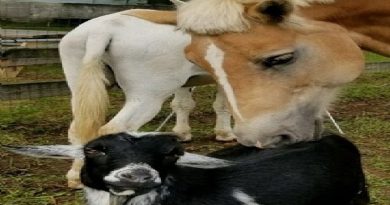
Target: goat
[(150, 170)]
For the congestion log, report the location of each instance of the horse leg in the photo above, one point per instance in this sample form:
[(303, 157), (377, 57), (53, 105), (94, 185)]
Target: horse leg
[(73, 175), (71, 64), (223, 130), (84, 71), (136, 112), (182, 104)]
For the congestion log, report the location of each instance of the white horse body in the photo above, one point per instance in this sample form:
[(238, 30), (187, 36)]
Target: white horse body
[(138, 60), (149, 65)]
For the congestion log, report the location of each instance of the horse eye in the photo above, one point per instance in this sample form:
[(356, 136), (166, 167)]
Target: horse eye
[(278, 60)]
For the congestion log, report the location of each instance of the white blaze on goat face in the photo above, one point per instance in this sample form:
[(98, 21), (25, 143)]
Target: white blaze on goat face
[(215, 57), (128, 173), (115, 176)]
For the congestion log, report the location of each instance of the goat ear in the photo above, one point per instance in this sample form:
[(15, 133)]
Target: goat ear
[(271, 11), (49, 151)]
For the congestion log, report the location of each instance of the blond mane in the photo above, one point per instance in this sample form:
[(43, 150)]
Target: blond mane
[(213, 16), (219, 16)]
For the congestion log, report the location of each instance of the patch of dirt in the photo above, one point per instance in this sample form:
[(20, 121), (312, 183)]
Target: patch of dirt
[(370, 108), (44, 128)]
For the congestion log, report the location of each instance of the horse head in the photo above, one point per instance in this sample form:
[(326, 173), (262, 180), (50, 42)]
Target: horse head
[(281, 74)]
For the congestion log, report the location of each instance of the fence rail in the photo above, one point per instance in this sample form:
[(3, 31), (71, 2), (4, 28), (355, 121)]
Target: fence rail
[(30, 90), (107, 2), (28, 61), (48, 10), (9, 35), (379, 66)]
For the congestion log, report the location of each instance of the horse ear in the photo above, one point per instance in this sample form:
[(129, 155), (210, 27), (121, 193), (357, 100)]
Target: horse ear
[(271, 11)]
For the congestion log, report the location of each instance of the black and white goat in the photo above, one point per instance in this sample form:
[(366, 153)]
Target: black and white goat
[(150, 170)]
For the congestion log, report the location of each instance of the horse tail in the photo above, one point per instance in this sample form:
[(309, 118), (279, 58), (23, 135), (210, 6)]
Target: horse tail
[(90, 99)]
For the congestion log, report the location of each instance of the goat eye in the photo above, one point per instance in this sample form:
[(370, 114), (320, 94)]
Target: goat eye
[(91, 152), (278, 60)]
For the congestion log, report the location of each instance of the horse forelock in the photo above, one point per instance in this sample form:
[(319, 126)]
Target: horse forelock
[(213, 16), (221, 16)]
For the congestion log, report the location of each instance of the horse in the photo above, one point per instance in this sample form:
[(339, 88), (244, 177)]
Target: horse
[(367, 23), (148, 73), (277, 77)]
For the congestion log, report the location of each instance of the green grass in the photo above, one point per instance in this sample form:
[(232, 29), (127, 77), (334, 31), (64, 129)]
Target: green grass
[(362, 111), (37, 196), (38, 72), (42, 72), (43, 194), (372, 57), (50, 109), (371, 85)]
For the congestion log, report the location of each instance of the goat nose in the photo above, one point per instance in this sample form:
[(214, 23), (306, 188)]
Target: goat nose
[(147, 178), (142, 174)]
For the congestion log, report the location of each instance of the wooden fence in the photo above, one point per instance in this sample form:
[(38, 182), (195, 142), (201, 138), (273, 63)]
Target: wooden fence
[(18, 46), (21, 48), (40, 10), (37, 89)]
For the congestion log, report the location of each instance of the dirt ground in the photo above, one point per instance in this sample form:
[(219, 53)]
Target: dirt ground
[(362, 111)]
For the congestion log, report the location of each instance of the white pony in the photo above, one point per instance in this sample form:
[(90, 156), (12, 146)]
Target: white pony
[(149, 65)]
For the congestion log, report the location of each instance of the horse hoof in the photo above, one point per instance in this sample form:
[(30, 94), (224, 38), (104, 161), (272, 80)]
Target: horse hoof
[(225, 137), (73, 175), (185, 137), (75, 184)]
